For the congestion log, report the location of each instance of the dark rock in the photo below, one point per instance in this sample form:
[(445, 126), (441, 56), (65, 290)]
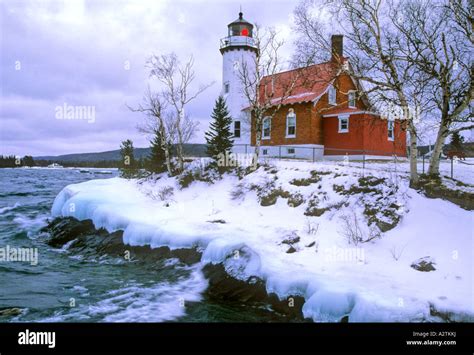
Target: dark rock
[(310, 245), (220, 221), (10, 312), (291, 250), (252, 291), (271, 197), (291, 306), (424, 264), (433, 188), (315, 212), (370, 181), (295, 200), (293, 238), (223, 286), (66, 229), (92, 242)]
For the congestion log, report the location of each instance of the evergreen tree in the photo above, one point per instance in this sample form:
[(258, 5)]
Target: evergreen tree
[(456, 141), (27, 161), (128, 164), (156, 161), (219, 136)]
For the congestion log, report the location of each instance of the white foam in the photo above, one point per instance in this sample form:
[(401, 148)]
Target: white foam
[(9, 208), (161, 302)]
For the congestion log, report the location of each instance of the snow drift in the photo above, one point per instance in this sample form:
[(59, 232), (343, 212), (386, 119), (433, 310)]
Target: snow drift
[(301, 254)]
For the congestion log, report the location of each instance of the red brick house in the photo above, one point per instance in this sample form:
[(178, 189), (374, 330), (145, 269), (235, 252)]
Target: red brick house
[(325, 114)]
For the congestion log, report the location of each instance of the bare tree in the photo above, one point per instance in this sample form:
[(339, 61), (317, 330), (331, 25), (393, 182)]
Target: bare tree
[(158, 121), (376, 59), (440, 51), (177, 80), (461, 13), (265, 90)]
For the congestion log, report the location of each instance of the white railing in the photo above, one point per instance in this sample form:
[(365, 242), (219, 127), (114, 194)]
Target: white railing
[(237, 41)]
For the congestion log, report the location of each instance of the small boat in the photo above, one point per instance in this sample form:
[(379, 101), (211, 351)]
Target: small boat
[(55, 166)]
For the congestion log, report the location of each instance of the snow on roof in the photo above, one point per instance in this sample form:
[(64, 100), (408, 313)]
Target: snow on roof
[(298, 85)]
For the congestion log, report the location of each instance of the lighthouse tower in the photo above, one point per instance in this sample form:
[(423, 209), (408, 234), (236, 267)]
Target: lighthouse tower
[(238, 51)]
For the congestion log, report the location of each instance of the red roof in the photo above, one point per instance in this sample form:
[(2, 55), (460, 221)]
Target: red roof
[(298, 85)]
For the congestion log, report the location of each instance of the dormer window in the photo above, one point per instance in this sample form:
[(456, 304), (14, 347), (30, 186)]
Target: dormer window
[(351, 98), (332, 95)]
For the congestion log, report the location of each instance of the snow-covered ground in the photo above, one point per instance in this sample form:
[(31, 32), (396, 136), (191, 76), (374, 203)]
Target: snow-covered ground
[(308, 255)]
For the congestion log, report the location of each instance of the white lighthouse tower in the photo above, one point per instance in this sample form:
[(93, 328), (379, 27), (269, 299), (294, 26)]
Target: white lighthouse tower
[(238, 51)]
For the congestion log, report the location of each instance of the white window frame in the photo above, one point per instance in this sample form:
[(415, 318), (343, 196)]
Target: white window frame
[(332, 95), (239, 129), (390, 128), (351, 93), (268, 118), (291, 114), (340, 129)]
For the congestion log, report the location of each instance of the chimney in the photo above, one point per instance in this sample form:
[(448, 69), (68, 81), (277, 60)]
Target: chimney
[(336, 47)]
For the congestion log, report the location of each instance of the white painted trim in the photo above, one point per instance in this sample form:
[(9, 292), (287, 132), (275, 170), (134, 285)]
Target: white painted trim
[(286, 126), (335, 95), (361, 157), (392, 138), (351, 113), (264, 137), (240, 129), (340, 118), (349, 100), (316, 99)]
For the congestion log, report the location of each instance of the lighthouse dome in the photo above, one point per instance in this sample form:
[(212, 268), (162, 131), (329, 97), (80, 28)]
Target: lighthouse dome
[(240, 27)]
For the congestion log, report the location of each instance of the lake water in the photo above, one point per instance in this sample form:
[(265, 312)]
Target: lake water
[(69, 287)]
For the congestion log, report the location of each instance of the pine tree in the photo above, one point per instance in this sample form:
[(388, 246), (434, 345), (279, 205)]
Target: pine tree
[(219, 136), (456, 141), (28, 161), (128, 164), (156, 161)]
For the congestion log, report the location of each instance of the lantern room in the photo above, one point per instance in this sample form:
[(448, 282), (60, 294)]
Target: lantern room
[(240, 27), (239, 36)]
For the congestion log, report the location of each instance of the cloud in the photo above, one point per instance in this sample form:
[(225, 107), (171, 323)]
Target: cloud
[(93, 54)]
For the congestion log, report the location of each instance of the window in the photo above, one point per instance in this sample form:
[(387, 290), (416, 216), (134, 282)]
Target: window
[(291, 124), (237, 129), (390, 129), (290, 151), (343, 124), (266, 128), (226, 88), (351, 97), (332, 95), (265, 152)]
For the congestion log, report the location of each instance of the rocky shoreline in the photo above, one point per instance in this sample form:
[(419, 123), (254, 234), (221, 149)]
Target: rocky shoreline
[(81, 237)]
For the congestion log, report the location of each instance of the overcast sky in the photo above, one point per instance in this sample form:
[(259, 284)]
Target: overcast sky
[(93, 53)]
